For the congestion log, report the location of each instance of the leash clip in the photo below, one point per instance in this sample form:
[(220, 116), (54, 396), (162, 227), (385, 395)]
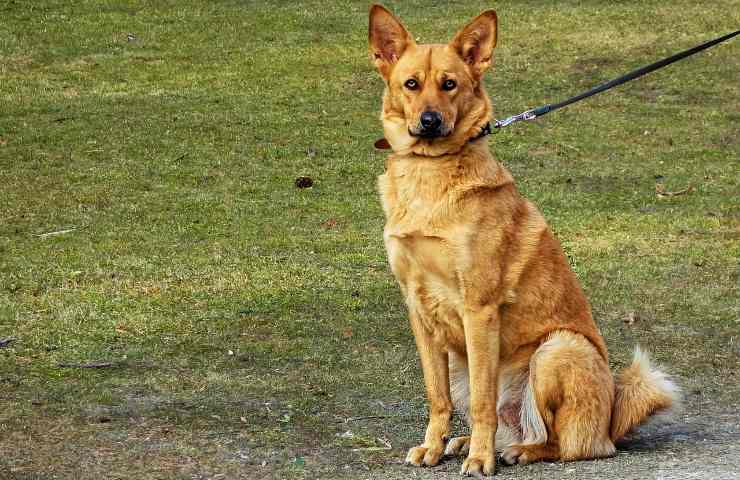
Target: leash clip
[(528, 115)]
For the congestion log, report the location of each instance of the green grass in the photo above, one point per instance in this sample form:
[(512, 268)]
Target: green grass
[(246, 319)]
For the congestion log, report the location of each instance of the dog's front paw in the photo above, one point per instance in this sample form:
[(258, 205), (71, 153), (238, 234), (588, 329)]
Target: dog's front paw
[(478, 467), (422, 455)]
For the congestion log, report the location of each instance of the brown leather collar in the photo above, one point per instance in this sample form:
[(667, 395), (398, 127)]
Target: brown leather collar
[(382, 143)]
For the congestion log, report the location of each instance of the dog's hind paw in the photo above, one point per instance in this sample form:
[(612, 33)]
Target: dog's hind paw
[(458, 446), (511, 455), (526, 454)]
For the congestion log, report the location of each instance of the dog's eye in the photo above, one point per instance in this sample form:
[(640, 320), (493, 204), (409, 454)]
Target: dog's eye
[(449, 85), (411, 84)]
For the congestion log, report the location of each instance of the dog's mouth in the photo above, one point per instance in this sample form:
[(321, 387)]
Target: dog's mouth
[(426, 133)]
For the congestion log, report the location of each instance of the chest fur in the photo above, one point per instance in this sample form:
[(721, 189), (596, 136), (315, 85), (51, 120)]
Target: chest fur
[(426, 252), (426, 269)]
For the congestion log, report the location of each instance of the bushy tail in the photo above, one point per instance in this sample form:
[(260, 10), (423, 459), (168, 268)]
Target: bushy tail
[(642, 391)]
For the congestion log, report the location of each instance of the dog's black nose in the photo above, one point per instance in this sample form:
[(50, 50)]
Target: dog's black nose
[(430, 121)]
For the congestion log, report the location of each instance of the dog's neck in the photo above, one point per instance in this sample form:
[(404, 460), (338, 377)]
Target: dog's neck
[(413, 176), (475, 152), (474, 163)]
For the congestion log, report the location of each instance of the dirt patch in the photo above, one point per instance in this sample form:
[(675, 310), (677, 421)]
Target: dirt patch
[(701, 444)]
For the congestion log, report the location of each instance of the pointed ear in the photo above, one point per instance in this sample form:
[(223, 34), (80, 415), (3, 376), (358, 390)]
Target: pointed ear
[(476, 41), (388, 39)]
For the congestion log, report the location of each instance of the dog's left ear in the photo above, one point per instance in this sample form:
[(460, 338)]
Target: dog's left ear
[(476, 41)]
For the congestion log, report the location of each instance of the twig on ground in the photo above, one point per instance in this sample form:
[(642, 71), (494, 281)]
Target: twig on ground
[(386, 446), (4, 342), (355, 419), (370, 417), (85, 365), (661, 192), (58, 232)]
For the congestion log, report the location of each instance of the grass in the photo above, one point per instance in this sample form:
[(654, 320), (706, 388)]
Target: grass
[(251, 324)]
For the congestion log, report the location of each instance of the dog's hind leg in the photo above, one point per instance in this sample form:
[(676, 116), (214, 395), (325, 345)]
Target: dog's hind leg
[(566, 412), (512, 379), (460, 392), (459, 383)]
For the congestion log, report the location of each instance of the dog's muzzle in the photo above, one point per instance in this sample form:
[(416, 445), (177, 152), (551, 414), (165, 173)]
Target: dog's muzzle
[(430, 125)]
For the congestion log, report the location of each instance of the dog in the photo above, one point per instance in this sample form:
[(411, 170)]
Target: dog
[(503, 330)]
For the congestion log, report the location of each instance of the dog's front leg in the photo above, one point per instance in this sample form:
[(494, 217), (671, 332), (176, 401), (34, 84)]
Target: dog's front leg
[(436, 378), (482, 344)]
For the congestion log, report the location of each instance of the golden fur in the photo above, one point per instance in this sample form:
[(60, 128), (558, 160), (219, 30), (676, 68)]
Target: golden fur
[(503, 329)]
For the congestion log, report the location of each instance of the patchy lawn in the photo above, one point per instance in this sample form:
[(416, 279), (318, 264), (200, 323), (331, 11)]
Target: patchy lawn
[(150, 226)]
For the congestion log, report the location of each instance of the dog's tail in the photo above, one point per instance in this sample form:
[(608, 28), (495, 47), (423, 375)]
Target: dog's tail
[(642, 391)]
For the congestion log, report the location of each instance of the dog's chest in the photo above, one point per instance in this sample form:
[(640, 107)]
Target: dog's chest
[(426, 269), (425, 255)]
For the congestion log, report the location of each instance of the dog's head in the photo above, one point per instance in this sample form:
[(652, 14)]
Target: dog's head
[(434, 101)]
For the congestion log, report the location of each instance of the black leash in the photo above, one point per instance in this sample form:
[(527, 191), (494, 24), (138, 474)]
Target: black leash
[(540, 111)]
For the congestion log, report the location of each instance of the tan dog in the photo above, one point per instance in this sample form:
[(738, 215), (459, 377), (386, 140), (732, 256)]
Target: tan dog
[(503, 330)]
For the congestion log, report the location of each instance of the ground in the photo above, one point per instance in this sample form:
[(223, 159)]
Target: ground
[(172, 305)]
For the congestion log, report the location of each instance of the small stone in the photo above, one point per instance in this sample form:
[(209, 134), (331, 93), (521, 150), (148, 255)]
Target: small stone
[(631, 318)]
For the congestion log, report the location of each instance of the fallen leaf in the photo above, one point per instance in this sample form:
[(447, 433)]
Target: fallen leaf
[(330, 223)]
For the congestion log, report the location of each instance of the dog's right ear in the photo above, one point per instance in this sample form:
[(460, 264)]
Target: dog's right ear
[(388, 39)]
